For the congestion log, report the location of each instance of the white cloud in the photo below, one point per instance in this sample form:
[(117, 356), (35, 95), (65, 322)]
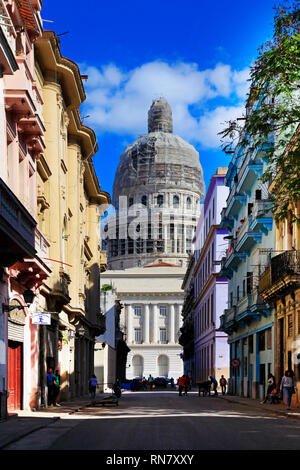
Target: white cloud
[(118, 100)]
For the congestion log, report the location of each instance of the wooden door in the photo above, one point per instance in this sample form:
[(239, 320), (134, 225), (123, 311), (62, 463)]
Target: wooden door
[(14, 376)]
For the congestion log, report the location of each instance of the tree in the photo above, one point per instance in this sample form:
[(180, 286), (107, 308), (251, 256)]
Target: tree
[(272, 120)]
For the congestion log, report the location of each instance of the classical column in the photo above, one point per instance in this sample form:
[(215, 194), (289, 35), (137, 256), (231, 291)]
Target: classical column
[(146, 323), (155, 324), (129, 324), (172, 323)]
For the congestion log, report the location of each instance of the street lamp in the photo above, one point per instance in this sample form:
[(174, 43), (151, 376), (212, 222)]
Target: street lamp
[(81, 331), (28, 296)]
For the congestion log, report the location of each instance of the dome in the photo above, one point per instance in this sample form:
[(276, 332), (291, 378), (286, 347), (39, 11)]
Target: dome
[(159, 159)]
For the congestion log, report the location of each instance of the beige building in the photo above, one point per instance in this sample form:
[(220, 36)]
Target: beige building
[(70, 204)]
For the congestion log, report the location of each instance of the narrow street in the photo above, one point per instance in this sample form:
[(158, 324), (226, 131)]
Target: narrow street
[(162, 420)]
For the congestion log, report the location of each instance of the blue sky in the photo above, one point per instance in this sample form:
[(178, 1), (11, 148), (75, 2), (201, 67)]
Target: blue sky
[(194, 53)]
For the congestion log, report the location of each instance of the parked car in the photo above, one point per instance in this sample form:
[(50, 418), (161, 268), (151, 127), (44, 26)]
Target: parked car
[(136, 384), (161, 382)]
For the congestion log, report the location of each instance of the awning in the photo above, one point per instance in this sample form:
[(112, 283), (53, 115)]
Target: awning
[(28, 15)]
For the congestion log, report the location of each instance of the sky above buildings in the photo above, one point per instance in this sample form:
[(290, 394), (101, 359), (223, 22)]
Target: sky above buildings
[(196, 54)]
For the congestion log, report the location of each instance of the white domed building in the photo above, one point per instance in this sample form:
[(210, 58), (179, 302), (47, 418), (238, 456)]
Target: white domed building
[(157, 192)]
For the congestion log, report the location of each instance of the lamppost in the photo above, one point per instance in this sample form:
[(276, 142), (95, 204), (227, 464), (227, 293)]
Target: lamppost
[(28, 296)]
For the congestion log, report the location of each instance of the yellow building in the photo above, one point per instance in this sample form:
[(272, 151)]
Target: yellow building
[(70, 204), (280, 285)]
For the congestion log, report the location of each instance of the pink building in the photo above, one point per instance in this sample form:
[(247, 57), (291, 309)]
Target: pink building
[(22, 247), (210, 290)]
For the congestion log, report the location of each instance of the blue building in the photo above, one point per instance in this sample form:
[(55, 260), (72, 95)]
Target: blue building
[(248, 320)]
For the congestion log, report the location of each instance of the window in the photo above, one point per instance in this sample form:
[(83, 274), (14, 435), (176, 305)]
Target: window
[(160, 200), (130, 201), (249, 282), (244, 288), (188, 203), (144, 200), (137, 366), (261, 340), (251, 344), (139, 263), (163, 335), (138, 311), (258, 195), (137, 335), (163, 366), (163, 311), (176, 201), (290, 325), (269, 338), (238, 293), (231, 300)]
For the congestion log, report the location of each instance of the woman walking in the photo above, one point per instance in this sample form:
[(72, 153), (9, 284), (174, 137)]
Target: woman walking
[(288, 387)]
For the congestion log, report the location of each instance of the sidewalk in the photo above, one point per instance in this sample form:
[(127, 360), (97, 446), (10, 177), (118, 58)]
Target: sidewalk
[(279, 409), (23, 422)]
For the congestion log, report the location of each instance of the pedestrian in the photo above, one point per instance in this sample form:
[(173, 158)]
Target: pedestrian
[(187, 383), (287, 386), (172, 382), (56, 387), (223, 384), (144, 383), (93, 382), (271, 385), (214, 384), (181, 383), (50, 386), (150, 381)]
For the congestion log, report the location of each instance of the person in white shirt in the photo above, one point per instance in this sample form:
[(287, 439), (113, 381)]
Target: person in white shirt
[(288, 387)]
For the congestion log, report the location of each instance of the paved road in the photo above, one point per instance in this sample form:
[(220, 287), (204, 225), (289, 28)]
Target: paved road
[(165, 421)]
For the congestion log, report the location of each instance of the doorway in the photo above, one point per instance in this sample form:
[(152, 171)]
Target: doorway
[(15, 375)]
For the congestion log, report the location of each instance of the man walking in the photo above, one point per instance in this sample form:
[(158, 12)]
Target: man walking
[(214, 384), (181, 384), (187, 382), (223, 383)]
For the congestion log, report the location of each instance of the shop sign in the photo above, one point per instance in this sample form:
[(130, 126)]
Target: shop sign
[(41, 318)]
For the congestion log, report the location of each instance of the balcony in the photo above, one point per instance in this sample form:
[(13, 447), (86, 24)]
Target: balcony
[(246, 238), (281, 276), (252, 306), (17, 228), (262, 219), (34, 271), (250, 171), (228, 322), (226, 222), (234, 204)]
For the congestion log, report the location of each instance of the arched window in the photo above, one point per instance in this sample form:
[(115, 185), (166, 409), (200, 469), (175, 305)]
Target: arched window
[(144, 200), (160, 200), (130, 201), (163, 366), (175, 201), (188, 203), (137, 366)]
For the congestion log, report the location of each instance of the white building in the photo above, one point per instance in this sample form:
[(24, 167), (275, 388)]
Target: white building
[(157, 191)]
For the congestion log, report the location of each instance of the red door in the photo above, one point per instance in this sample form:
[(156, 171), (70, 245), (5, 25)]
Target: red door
[(14, 375)]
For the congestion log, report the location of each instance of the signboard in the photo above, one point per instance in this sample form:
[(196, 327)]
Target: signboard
[(235, 362), (41, 318)]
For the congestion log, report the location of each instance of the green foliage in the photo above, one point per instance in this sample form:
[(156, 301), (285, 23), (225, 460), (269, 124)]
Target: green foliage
[(273, 110), (106, 287)]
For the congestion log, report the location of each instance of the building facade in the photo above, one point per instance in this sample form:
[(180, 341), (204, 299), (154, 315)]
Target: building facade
[(210, 286), (68, 192), (157, 189), (248, 319), (22, 244), (186, 338), (279, 285)]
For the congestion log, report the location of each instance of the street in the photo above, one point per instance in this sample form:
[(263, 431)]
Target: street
[(161, 420)]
